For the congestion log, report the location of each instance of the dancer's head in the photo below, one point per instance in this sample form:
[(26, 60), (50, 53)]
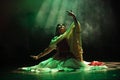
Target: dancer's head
[(60, 29)]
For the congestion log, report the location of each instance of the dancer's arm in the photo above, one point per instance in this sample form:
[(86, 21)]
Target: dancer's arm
[(76, 22), (42, 54)]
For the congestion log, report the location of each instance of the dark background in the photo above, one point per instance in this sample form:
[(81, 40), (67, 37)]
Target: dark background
[(17, 41)]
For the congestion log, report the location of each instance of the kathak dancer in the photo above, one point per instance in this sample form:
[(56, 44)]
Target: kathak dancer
[(68, 46)]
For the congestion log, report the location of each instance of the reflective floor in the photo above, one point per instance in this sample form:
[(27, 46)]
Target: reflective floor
[(112, 73)]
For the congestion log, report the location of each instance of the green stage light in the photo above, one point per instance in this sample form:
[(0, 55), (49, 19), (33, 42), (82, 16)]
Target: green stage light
[(53, 12), (93, 16)]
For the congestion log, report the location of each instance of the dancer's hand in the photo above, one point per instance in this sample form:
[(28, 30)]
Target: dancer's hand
[(34, 57), (70, 13)]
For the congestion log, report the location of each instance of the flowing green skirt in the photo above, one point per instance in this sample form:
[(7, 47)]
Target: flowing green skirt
[(52, 65)]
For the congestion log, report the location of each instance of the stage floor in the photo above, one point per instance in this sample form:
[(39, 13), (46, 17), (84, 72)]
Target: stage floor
[(112, 73)]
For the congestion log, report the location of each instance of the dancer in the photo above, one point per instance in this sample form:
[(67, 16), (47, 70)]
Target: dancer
[(68, 44)]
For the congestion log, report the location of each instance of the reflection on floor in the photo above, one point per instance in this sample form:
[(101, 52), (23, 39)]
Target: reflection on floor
[(112, 73)]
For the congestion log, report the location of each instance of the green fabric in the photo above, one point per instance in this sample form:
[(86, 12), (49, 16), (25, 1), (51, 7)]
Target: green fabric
[(51, 65)]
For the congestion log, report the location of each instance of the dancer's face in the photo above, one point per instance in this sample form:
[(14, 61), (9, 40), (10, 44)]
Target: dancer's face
[(61, 29)]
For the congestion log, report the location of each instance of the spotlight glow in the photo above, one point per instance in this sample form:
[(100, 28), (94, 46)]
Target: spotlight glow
[(91, 14)]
